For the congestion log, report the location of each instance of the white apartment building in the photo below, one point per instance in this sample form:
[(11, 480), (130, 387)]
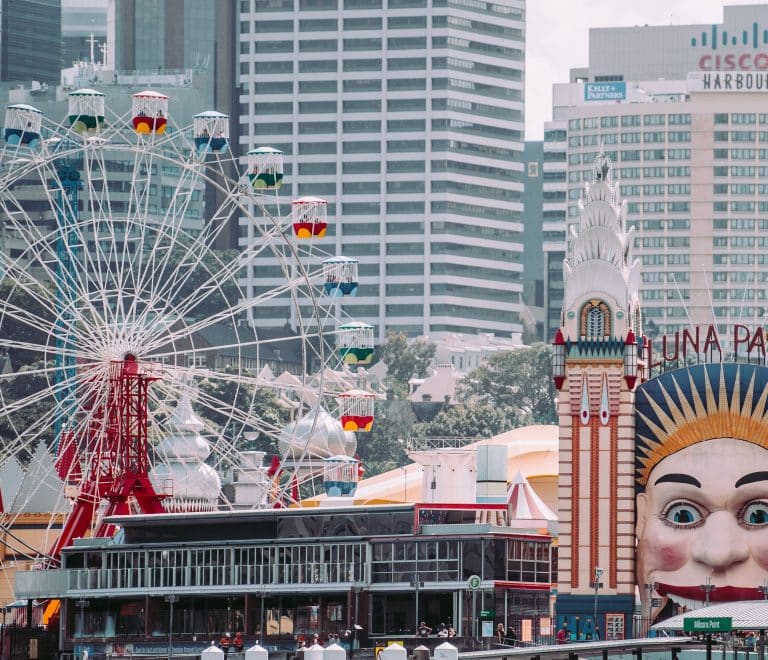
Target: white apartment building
[(691, 153), (407, 117), (693, 168)]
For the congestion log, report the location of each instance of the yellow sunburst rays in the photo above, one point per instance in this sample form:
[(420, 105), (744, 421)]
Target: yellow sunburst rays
[(688, 422)]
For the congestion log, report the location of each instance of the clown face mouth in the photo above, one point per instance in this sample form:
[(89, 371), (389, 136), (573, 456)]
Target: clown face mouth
[(692, 597)]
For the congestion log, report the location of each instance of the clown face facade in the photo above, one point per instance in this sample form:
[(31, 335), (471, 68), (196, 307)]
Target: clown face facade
[(702, 486)]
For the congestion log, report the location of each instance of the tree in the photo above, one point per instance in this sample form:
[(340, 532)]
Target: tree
[(517, 383), (222, 399), (383, 448), (468, 421), (25, 315), (405, 361), (26, 384)]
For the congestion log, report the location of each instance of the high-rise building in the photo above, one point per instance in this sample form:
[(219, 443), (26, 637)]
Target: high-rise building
[(690, 157), (167, 37), (533, 267), (554, 214), (30, 40), (407, 116), (83, 30)]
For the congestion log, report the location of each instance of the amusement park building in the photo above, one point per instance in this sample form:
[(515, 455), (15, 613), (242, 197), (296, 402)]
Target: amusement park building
[(374, 559), (370, 100), (690, 158)]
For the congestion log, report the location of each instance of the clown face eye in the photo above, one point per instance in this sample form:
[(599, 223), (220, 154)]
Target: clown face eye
[(755, 514), (682, 514)]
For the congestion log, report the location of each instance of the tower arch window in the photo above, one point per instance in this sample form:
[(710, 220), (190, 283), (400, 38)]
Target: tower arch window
[(595, 320)]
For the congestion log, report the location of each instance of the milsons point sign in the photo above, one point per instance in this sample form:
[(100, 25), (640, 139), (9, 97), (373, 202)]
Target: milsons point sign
[(707, 344)]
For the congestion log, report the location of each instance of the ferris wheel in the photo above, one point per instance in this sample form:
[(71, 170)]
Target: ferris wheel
[(132, 374)]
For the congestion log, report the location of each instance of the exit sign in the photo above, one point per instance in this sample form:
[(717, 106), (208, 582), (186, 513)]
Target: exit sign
[(707, 624)]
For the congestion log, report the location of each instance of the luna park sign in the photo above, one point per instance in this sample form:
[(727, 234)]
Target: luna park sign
[(701, 344)]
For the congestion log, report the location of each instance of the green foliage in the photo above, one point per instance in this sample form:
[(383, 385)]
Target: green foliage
[(468, 421), (517, 383), (26, 383), (25, 319), (243, 403), (404, 361), (383, 447)]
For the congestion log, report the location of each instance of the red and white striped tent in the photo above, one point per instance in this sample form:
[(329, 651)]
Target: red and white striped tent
[(524, 504)]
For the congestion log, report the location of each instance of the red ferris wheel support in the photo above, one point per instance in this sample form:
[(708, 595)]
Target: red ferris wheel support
[(119, 460)]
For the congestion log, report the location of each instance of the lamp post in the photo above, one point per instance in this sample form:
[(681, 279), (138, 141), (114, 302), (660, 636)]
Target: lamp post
[(596, 586), (763, 589), (170, 599), (650, 587), (416, 584), (707, 587)]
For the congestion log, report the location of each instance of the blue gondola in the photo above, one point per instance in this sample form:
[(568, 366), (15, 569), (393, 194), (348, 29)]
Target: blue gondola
[(23, 124), (340, 275), (211, 131)]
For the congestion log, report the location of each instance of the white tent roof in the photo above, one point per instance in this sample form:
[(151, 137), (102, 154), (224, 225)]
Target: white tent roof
[(745, 615)]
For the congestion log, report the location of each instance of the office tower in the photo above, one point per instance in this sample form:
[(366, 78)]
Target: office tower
[(176, 35), (407, 116), (30, 40), (554, 213), (83, 30), (689, 154), (533, 266)]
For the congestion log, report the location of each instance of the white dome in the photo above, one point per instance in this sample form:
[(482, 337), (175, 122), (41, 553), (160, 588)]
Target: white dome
[(181, 470), (194, 489), (317, 435)]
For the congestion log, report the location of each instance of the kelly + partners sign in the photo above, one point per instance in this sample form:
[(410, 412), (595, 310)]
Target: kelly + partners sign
[(605, 91), (707, 624)]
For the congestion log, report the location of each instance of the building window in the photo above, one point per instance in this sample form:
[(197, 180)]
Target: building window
[(595, 320)]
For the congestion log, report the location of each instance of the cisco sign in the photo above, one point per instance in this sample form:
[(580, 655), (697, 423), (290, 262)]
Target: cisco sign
[(605, 91)]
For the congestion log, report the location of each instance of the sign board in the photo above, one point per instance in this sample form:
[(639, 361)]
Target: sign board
[(728, 81), (707, 624), (656, 602), (487, 614), (605, 91), (486, 629), (474, 582)]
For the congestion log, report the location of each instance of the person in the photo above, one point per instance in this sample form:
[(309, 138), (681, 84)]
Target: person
[(442, 630), (238, 643), (749, 641), (562, 634), (702, 486), (225, 643), (596, 636), (451, 630), (424, 630), (500, 633), (511, 636)]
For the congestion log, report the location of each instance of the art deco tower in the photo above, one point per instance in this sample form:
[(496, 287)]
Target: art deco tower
[(595, 369)]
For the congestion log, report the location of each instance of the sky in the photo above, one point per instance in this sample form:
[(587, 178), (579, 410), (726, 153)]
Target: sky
[(557, 39)]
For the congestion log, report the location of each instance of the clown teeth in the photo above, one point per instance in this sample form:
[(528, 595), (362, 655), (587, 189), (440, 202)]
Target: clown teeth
[(687, 603)]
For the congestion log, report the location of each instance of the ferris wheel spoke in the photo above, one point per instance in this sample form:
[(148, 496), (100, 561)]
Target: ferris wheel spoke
[(123, 263)]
